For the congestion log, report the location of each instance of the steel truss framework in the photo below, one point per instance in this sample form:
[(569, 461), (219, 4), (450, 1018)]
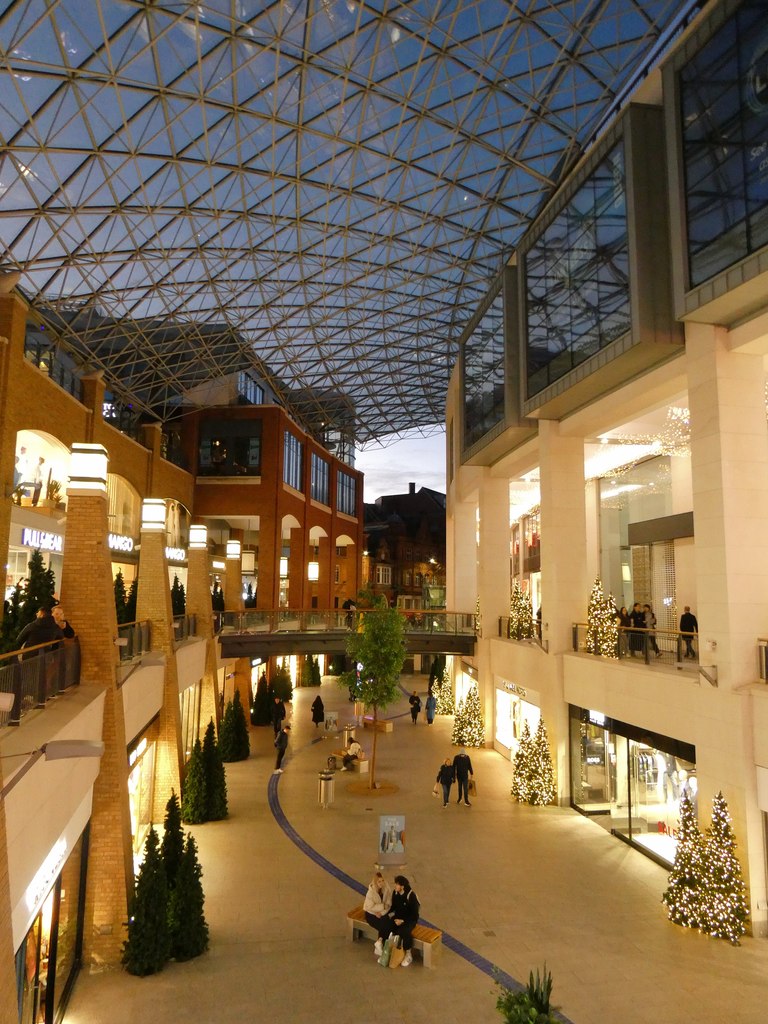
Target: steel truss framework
[(321, 190)]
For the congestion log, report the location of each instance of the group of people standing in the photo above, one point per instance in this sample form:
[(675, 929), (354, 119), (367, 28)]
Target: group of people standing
[(638, 628)]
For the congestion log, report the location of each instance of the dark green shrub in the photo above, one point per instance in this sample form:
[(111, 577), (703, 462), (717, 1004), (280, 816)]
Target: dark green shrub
[(194, 800), (261, 708), (186, 918), (172, 846), (234, 743), (148, 945), (215, 777), (281, 684), (530, 1005)]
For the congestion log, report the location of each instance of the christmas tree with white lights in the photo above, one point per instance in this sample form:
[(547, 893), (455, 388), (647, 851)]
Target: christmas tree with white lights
[(725, 908), (521, 775), (443, 692), (468, 726), (478, 618), (602, 629), (541, 787), (520, 614), (683, 895)]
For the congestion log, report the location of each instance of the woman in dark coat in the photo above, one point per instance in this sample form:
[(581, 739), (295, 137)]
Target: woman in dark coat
[(318, 710)]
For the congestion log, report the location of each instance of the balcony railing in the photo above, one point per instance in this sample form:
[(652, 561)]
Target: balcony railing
[(508, 633), (285, 620), (184, 626), (36, 674), (134, 639), (651, 646)]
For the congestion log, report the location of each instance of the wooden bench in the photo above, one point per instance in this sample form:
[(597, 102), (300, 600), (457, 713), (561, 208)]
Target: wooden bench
[(382, 724), (361, 765), (424, 939)]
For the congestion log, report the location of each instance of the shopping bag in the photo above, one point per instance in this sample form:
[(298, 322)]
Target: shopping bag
[(436, 789), (473, 787), (397, 955), (386, 952)]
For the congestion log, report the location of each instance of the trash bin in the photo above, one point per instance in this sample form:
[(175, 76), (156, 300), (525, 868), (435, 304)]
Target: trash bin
[(349, 733), (325, 788)]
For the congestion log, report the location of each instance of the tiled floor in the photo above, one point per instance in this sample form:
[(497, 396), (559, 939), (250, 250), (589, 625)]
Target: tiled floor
[(509, 885)]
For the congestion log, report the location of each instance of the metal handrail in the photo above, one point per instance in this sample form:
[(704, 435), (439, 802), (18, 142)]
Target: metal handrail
[(134, 639), (291, 620), (650, 645), (36, 674)]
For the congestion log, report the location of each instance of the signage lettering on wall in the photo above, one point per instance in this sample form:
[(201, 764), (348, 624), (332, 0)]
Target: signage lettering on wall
[(514, 688), (597, 718), (46, 875), (176, 554), (42, 540), (119, 542)]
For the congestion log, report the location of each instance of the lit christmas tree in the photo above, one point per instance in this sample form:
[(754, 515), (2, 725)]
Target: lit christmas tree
[(541, 788), (521, 777), (520, 614), (443, 692), (478, 618), (725, 909), (684, 889), (602, 628), (468, 726)]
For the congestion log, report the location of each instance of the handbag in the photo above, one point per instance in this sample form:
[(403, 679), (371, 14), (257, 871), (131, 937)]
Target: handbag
[(436, 789), (396, 953), (472, 787)]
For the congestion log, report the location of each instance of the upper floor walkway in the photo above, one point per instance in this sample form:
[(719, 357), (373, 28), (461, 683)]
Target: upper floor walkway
[(254, 633)]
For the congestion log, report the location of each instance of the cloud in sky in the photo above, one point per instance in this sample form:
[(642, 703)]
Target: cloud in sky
[(412, 458)]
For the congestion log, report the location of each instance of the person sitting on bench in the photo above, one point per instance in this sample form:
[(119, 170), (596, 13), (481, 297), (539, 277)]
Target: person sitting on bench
[(351, 754)]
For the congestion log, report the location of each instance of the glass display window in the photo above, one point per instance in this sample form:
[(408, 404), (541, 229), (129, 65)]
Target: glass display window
[(631, 783), (189, 700), (140, 793)]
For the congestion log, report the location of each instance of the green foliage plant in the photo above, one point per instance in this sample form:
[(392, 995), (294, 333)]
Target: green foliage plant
[(186, 915), (260, 709), (148, 945), (178, 597), (378, 644), (121, 596), (281, 684), (234, 744), (215, 777), (172, 845), (529, 1005), (194, 802)]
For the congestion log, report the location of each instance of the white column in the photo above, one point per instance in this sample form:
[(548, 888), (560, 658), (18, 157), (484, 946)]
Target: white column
[(493, 568), (461, 554), (729, 470), (564, 583)]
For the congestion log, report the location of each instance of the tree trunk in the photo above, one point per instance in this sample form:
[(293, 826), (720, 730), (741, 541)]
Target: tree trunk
[(372, 774)]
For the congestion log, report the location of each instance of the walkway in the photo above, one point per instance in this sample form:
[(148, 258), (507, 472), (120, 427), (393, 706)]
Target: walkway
[(512, 885)]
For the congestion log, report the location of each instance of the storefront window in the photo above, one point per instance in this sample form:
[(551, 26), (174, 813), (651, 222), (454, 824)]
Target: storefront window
[(47, 958), (190, 717), (140, 793), (513, 710), (633, 783)]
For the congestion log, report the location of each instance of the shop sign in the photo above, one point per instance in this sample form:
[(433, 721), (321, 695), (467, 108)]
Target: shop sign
[(41, 539), (514, 688), (597, 718), (176, 554), (46, 875), (119, 542)]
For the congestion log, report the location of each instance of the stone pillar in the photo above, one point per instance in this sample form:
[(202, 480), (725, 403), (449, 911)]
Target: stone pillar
[(242, 684), (729, 472), (9, 1009), (233, 580), (154, 603), (86, 587), (199, 605), (461, 553), (564, 583), (327, 560), (13, 318), (492, 580)]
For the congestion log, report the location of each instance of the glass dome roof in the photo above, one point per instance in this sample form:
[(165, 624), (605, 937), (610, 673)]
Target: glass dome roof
[(320, 190)]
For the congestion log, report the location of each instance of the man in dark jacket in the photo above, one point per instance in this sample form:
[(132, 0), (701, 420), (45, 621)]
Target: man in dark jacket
[(40, 630), (689, 625), (277, 713), (281, 744), (404, 914), (462, 765)]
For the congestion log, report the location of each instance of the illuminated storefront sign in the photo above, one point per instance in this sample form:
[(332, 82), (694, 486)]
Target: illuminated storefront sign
[(514, 688), (42, 540), (119, 542), (46, 875), (176, 554)]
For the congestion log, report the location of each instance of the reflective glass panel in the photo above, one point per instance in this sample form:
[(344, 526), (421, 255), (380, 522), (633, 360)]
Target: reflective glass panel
[(484, 374)]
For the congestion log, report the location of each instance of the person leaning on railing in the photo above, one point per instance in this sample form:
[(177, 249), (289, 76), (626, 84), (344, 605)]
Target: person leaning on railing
[(41, 630)]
